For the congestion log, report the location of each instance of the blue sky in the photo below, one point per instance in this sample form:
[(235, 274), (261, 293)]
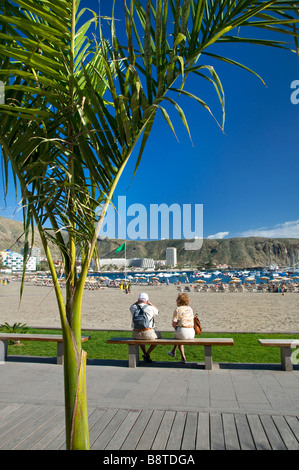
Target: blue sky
[(247, 177)]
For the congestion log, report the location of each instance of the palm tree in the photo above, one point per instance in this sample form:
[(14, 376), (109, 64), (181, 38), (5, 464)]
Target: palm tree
[(76, 105)]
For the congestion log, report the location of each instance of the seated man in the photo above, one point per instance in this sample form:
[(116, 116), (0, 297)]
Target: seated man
[(143, 325)]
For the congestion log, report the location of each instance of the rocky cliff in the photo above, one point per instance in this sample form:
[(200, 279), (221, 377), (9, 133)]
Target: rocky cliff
[(236, 252)]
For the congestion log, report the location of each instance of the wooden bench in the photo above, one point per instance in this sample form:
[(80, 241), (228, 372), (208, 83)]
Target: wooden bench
[(5, 337), (206, 342), (286, 346)]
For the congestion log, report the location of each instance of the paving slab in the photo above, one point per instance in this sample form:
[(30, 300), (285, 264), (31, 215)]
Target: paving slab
[(246, 389)]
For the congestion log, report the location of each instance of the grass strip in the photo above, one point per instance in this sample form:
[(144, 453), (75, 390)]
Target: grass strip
[(246, 348)]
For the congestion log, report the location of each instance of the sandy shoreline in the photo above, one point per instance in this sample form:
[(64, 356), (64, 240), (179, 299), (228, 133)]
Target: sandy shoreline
[(109, 308)]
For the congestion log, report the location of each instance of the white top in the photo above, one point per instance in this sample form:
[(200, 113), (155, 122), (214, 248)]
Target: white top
[(150, 310)]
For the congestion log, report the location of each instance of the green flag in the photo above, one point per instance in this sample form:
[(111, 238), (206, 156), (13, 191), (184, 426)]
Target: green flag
[(121, 248)]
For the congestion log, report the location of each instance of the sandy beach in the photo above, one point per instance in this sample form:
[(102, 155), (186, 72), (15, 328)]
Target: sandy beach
[(109, 308)]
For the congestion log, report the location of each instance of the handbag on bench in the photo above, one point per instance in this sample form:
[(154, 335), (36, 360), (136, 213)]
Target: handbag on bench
[(197, 325)]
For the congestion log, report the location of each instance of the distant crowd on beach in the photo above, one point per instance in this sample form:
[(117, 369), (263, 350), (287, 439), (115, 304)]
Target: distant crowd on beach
[(245, 287), (125, 285)]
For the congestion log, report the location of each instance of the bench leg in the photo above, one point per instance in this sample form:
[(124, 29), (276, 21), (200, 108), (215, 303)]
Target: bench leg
[(3, 351), (60, 353), (208, 357), (133, 355), (286, 358)]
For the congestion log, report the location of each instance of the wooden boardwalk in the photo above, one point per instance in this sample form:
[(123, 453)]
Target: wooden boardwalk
[(41, 427)]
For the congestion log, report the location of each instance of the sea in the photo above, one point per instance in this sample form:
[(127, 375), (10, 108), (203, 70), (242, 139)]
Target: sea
[(195, 276)]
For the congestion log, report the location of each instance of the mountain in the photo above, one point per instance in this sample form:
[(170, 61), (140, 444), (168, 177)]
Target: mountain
[(11, 237), (236, 252)]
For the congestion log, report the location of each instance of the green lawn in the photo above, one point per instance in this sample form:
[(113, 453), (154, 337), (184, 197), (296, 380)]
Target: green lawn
[(245, 349)]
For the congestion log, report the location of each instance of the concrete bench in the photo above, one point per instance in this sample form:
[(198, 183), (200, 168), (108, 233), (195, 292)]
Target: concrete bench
[(5, 337), (286, 346), (206, 342)]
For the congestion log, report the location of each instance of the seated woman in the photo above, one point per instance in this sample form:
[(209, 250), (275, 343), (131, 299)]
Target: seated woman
[(183, 322)]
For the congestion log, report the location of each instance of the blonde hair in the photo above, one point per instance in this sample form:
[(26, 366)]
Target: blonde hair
[(183, 299)]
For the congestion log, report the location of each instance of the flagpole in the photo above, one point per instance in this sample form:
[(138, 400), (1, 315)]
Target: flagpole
[(125, 260)]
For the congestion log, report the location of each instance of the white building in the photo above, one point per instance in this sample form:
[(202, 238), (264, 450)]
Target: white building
[(119, 262), (171, 257), (143, 263), (34, 251), (14, 261), (160, 263)]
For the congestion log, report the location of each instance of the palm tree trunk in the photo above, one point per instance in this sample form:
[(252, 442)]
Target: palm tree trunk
[(76, 415)]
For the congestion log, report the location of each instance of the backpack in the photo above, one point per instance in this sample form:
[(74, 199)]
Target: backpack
[(140, 319)]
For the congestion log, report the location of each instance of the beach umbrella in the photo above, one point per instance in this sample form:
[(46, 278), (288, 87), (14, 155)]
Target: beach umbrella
[(199, 281), (217, 279), (249, 279), (264, 278)]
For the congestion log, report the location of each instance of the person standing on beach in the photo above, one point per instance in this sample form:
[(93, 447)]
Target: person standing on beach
[(128, 288), (183, 323), (149, 332)]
